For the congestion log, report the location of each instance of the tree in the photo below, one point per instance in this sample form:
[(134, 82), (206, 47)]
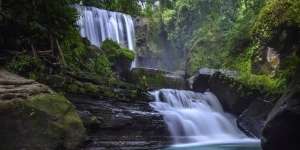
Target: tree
[(35, 21)]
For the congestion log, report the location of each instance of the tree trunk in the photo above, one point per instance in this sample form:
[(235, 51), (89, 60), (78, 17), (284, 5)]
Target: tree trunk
[(61, 54), (33, 51)]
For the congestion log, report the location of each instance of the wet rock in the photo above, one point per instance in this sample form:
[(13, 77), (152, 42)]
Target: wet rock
[(282, 128), (156, 79), (252, 120), (199, 82), (146, 54), (234, 97), (89, 120), (125, 125)]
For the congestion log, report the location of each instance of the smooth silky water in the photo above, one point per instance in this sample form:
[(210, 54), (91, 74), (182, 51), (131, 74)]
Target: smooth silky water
[(98, 25), (197, 121)]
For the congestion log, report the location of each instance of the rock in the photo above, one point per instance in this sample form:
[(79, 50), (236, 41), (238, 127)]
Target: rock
[(125, 125), (282, 128), (252, 120), (120, 58), (157, 79), (89, 120), (94, 85), (33, 117), (199, 82), (234, 97)]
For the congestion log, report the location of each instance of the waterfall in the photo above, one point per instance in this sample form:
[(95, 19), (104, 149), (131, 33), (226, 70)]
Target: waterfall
[(195, 117), (97, 25)]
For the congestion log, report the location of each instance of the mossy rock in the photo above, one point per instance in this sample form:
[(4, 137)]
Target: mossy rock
[(274, 15), (41, 122), (156, 79)]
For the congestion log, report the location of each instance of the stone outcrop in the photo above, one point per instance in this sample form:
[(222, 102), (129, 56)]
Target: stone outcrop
[(252, 119), (114, 124), (34, 117), (234, 97), (200, 81), (156, 79), (282, 127)]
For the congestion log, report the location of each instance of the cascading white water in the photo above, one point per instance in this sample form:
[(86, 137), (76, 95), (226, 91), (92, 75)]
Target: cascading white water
[(97, 25), (195, 117)]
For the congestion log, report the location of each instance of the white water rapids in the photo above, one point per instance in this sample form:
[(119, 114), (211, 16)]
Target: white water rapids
[(197, 118)]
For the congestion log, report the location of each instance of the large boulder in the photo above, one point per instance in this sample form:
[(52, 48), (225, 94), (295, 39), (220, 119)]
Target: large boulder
[(282, 130), (33, 117), (156, 79), (234, 96), (199, 81), (252, 120)]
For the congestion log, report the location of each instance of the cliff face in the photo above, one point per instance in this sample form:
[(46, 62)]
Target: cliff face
[(282, 127), (34, 117)]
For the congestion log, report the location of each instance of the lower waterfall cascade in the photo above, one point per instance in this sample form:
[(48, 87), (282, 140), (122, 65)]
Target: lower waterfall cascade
[(196, 117)]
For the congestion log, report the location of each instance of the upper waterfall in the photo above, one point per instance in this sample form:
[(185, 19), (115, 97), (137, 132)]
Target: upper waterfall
[(98, 25), (196, 117)]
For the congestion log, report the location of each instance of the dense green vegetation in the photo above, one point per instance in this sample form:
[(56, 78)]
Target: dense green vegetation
[(231, 34), (126, 6), (35, 25), (24, 23), (234, 34)]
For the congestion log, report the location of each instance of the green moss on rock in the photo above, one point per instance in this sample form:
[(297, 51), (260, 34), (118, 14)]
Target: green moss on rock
[(156, 79), (114, 52), (275, 14), (45, 121)]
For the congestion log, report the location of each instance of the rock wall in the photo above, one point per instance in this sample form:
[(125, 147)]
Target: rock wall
[(282, 127)]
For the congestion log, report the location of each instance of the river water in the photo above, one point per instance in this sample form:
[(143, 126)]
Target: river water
[(198, 121)]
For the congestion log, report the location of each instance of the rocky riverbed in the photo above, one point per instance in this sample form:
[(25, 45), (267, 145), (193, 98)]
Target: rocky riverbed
[(114, 124)]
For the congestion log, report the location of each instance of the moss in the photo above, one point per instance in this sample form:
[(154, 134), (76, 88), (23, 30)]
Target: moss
[(90, 88), (148, 79), (266, 82), (114, 52), (155, 79), (275, 14), (68, 122), (45, 121)]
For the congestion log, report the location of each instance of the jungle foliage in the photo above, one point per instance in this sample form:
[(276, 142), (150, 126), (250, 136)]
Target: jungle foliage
[(231, 34), (126, 6)]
